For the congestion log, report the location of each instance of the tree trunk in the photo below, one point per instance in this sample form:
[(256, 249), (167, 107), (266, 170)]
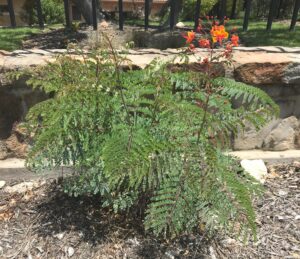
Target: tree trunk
[(233, 10), (11, 13), (178, 7), (295, 15), (279, 9), (40, 13), (273, 5), (247, 14), (197, 14), (222, 11), (85, 7), (147, 13), (67, 13)]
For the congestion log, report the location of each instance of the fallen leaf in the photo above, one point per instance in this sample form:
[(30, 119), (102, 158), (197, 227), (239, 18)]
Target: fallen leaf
[(6, 215), (28, 195), (12, 202)]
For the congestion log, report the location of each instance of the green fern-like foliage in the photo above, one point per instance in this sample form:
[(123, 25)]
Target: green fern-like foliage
[(149, 138)]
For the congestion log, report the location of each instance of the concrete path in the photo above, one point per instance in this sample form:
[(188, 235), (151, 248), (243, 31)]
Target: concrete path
[(14, 169), (270, 157)]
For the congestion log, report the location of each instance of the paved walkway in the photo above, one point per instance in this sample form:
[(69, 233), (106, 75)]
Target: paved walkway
[(14, 169), (270, 157)]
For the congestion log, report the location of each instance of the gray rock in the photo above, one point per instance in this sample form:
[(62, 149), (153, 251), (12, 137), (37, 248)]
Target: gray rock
[(2, 184), (292, 74), (283, 136), (4, 153), (250, 138)]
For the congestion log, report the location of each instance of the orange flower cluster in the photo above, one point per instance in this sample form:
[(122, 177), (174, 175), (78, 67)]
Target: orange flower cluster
[(204, 43), (218, 33), (189, 37), (235, 40)]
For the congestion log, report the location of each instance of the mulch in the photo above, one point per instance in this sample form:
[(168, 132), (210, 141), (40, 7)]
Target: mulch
[(46, 223)]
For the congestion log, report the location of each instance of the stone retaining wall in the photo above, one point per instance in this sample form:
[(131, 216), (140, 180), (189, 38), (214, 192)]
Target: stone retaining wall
[(276, 70)]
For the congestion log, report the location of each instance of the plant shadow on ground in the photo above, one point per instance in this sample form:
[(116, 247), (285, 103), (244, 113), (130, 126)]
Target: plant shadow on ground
[(52, 37), (83, 216)]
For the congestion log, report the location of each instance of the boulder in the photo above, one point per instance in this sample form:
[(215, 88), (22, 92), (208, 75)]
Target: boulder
[(4, 153), (11, 110), (250, 138), (261, 73), (256, 168), (297, 139), (17, 146), (2, 184), (283, 136), (292, 74)]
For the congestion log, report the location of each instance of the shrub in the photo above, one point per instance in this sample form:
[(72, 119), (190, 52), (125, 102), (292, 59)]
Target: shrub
[(149, 138), (53, 11)]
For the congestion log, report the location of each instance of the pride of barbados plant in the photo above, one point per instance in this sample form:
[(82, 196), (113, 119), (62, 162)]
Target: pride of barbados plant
[(152, 138)]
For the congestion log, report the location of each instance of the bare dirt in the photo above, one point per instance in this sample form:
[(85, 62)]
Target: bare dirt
[(43, 222), (83, 36)]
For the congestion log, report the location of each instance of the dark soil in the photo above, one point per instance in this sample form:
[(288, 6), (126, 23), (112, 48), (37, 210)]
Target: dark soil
[(53, 39), (84, 37), (46, 223)]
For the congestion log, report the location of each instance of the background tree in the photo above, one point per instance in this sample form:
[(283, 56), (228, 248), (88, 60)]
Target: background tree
[(85, 7), (233, 9)]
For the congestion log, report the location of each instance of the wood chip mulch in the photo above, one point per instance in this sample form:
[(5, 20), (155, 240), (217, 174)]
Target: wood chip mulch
[(45, 223)]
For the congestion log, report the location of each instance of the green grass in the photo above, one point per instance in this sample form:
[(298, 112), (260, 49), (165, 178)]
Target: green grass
[(258, 36), (11, 39)]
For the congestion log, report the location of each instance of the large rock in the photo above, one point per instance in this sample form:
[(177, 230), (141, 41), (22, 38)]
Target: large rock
[(2, 184), (297, 139), (11, 110), (4, 153), (250, 138), (16, 143), (292, 74), (261, 73), (283, 136)]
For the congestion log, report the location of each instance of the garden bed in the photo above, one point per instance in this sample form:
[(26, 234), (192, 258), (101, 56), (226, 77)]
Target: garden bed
[(46, 223)]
